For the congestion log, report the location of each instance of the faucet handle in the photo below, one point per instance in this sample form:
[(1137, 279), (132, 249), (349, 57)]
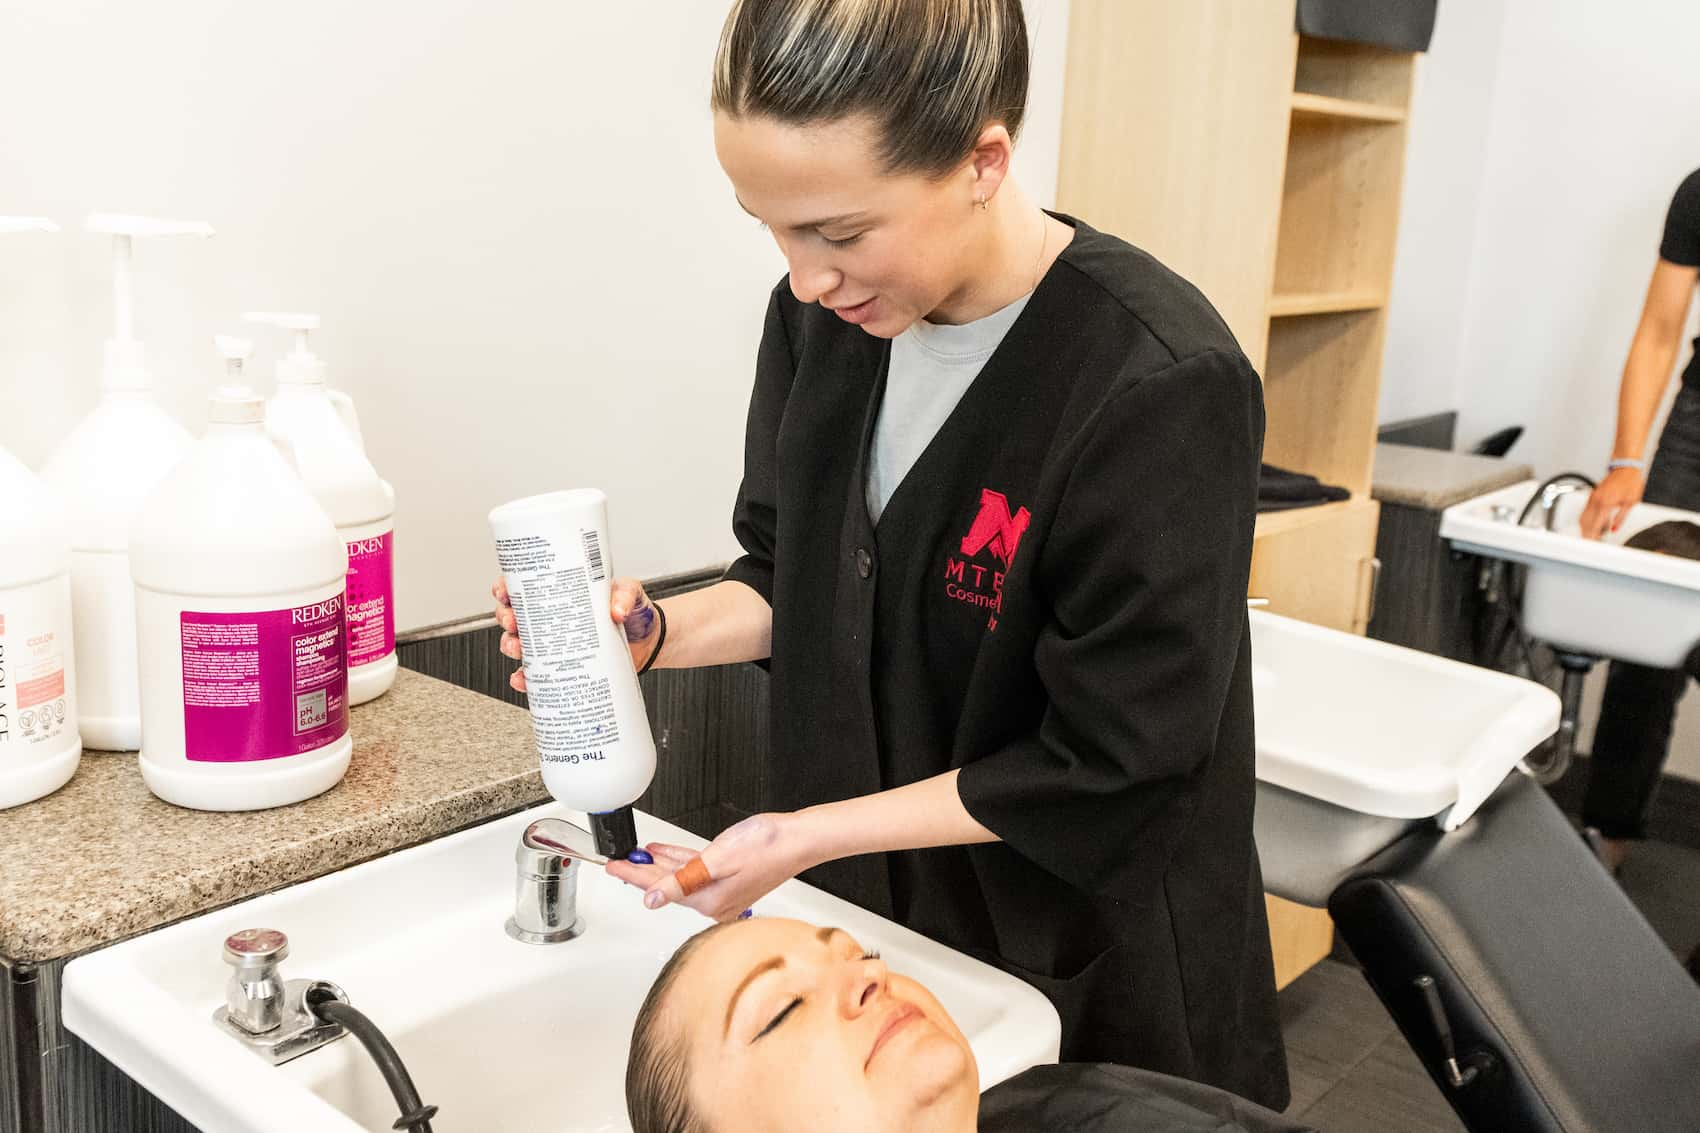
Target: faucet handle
[(255, 948), (254, 995), (543, 864)]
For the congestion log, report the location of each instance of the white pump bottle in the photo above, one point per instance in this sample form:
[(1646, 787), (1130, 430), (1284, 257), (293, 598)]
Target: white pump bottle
[(239, 578), (319, 428), (103, 471), (39, 744)]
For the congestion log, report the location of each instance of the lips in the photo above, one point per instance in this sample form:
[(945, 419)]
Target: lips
[(858, 314), (902, 1016)]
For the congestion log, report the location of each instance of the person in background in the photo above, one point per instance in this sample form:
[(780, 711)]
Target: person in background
[(1632, 738), (775, 1026)]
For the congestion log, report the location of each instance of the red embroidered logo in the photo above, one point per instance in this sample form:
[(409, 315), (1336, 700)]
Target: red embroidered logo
[(995, 528)]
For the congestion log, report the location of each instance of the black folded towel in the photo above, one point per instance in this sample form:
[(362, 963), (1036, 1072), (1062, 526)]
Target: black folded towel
[(1278, 490)]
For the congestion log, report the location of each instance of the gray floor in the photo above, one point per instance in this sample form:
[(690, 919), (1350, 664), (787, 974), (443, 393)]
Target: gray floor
[(1352, 1071)]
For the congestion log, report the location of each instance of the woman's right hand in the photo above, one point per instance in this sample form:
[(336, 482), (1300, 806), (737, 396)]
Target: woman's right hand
[(628, 604), (1610, 502)]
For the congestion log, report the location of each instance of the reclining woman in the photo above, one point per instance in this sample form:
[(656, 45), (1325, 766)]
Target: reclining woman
[(772, 1025)]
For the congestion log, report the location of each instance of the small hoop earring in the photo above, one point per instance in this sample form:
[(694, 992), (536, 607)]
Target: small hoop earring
[(982, 202)]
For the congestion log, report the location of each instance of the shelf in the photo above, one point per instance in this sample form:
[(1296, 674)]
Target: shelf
[(1326, 106), (1324, 303), (1295, 519), (1313, 563), (1320, 395), (1354, 72)]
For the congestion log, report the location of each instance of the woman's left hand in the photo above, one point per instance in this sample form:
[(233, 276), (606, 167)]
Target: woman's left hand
[(747, 862)]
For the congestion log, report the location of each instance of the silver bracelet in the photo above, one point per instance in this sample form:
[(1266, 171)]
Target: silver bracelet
[(1624, 462)]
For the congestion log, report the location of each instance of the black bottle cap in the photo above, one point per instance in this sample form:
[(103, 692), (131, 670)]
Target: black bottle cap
[(616, 833)]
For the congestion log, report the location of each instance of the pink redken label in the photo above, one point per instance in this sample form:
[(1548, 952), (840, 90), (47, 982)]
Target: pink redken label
[(371, 602), (264, 685)]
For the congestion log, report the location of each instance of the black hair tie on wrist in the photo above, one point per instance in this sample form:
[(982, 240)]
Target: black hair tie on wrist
[(649, 663)]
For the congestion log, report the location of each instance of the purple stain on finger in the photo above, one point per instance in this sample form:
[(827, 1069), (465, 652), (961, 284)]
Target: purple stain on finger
[(640, 857), (746, 914), (640, 623)]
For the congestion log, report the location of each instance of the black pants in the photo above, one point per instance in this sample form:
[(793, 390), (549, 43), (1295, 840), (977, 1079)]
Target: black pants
[(1632, 738)]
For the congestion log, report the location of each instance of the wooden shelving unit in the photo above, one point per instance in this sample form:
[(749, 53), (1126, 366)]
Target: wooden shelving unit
[(1327, 106), (1324, 303), (1266, 168)]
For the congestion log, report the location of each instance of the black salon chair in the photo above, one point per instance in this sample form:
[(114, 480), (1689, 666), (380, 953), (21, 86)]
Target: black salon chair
[(1498, 444), (1536, 995)]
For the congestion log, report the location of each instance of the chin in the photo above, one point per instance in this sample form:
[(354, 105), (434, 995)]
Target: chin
[(885, 328), (938, 1070)]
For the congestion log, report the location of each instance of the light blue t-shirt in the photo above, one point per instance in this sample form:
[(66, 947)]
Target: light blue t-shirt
[(932, 366)]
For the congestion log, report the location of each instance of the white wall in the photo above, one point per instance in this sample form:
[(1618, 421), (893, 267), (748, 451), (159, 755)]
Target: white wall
[(1445, 168), (1547, 138), (532, 273), (1523, 262)]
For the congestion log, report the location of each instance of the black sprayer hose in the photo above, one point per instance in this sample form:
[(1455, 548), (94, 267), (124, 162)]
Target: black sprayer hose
[(415, 1116)]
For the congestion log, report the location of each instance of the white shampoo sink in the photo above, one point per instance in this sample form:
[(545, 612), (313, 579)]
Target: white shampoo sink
[(1594, 597), (1377, 729), (501, 1035)]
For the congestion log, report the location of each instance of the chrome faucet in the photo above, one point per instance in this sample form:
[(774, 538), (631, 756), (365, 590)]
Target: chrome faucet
[(1556, 489), (271, 1016), (253, 997), (548, 859)]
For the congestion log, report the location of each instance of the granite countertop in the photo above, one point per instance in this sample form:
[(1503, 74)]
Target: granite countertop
[(102, 859), (1433, 479)]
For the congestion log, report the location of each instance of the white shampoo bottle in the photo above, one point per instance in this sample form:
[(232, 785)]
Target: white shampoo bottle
[(103, 470), (587, 711), (39, 744), (320, 428), (239, 578)]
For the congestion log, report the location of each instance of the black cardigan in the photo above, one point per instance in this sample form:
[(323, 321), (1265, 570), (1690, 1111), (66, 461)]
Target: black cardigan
[(1054, 602)]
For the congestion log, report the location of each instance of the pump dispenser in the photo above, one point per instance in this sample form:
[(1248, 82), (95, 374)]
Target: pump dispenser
[(302, 367), (39, 744), (102, 471), (126, 360), (239, 578), (319, 429), (235, 402)]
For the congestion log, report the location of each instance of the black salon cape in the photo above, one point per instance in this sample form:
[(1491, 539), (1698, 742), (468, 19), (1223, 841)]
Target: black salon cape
[(1088, 1098), (1054, 602)]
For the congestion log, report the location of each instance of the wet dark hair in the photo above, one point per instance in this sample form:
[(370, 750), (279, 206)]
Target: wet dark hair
[(658, 1096), (1676, 537), (931, 73)]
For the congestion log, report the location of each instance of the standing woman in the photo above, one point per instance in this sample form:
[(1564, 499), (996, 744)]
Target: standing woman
[(1632, 737), (998, 499)]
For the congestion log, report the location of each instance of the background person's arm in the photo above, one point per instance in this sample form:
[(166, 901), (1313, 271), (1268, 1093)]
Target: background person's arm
[(1652, 355)]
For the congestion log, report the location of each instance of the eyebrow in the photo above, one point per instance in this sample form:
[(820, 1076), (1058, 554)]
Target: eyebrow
[(824, 222), (823, 935), (760, 969)]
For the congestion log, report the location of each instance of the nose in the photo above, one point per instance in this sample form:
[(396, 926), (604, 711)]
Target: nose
[(811, 278), (866, 984)]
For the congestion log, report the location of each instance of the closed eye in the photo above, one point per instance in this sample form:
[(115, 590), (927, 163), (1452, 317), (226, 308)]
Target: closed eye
[(780, 1018), (844, 243)]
